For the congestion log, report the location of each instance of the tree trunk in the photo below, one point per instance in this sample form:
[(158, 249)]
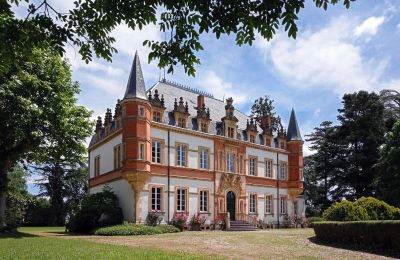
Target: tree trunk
[(3, 191)]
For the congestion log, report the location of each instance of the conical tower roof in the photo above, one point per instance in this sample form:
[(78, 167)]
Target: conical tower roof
[(135, 87), (293, 132)]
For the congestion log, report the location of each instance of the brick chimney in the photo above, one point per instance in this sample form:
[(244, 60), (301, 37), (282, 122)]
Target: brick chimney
[(200, 101)]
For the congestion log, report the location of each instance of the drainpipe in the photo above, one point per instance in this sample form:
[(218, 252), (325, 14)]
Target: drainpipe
[(168, 178), (277, 185)]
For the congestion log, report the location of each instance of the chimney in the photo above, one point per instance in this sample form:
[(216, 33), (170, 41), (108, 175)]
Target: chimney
[(200, 101)]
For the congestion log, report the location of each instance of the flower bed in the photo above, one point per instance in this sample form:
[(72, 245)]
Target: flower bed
[(134, 230)]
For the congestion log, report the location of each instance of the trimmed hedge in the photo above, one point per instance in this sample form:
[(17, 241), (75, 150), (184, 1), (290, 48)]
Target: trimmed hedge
[(379, 233), (312, 220), (135, 230)]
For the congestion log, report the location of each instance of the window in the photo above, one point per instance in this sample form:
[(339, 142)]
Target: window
[(220, 159), (268, 204), (282, 145), (156, 152), (267, 141), (221, 205), (282, 171), (117, 157), (252, 138), (182, 122), (156, 116), (268, 168), (156, 193), (241, 164), (231, 132), (230, 162), (282, 205), (181, 199), (97, 165), (253, 166), (141, 111), (295, 207), (203, 201), (181, 152), (301, 175), (141, 151), (203, 153), (203, 127), (253, 199)]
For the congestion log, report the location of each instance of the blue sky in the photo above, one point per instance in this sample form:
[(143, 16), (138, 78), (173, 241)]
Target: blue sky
[(337, 51)]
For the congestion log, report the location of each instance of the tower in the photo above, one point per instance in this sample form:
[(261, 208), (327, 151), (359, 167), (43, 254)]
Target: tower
[(136, 119)]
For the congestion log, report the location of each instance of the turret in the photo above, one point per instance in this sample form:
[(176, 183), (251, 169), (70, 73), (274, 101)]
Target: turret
[(295, 148)]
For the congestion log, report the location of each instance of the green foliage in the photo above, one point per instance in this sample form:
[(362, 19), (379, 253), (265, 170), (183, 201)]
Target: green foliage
[(263, 106), (97, 210), (388, 177), (377, 209), (134, 230), (384, 234), (90, 23), (37, 212), (16, 205), (153, 218), (391, 101), (345, 211), (312, 220)]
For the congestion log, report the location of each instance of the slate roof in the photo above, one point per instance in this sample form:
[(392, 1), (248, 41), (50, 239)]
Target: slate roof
[(135, 87), (293, 132)]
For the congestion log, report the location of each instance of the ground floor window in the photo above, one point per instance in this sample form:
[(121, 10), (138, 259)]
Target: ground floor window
[(268, 204), (181, 199), (283, 205), (253, 199), (156, 198), (203, 201)]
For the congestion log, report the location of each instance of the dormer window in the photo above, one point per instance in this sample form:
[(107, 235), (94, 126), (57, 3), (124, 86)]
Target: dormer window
[(204, 127), (182, 122), (181, 113), (252, 138), (157, 116), (231, 132), (157, 105)]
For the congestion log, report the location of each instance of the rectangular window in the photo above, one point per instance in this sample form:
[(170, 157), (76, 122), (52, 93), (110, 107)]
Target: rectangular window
[(156, 116), (220, 160), (181, 152), (295, 207), (267, 141), (253, 166), (282, 205), (141, 151), (268, 204), (203, 127), (252, 138), (156, 198), (203, 153), (203, 201), (117, 157), (282, 171), (182, 122), (97, 165), (282, 145), (156, 151), (181, 199), (141, 111), (241, 164), (253, 201), (268, 169), (231, 132), (230, 162)]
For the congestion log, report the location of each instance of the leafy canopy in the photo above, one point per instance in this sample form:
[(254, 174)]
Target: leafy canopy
[(89, 24)]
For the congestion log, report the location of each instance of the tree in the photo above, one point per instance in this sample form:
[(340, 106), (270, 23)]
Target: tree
[(361, 132), (321, 169), (89, 23), (37, 100), (263, 106), (388, 177), (391, 101)]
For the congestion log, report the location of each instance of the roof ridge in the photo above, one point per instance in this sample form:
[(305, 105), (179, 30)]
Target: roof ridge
[(187, 88)]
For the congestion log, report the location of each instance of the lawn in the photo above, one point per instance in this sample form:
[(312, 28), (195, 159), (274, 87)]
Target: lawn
[(53, 243)]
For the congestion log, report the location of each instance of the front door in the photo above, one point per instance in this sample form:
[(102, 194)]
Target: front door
[(231, 203)]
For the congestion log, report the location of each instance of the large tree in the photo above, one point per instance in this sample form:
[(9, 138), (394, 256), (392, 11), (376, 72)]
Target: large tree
[(264, 106), (89, 24), (391, 101), (37, 100), (361, 131), (388, 177)]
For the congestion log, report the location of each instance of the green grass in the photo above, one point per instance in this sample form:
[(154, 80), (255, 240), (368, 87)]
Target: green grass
[(27, 245)]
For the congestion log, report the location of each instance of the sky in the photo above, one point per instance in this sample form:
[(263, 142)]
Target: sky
[(336, 52)]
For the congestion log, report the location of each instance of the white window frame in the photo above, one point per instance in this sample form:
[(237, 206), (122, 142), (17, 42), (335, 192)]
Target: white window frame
[(156, 151), (230, 162), (156, 197), (141, 151), (203, 160), (252, 166), (181, 197), (268, 168), (252, 203), (282, 205), (268, 204), (181, 151), (283, 170), (203, 200)]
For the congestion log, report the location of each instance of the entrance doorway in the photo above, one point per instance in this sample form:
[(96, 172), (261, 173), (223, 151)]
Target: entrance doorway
[(231, 204)]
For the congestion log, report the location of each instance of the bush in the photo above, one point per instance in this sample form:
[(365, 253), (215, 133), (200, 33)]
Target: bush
[(196, 221), (179, 220), (380, 233), (97, 210), (345, 211), (153, 218), (134, 230), (312, 220), (377, 209)]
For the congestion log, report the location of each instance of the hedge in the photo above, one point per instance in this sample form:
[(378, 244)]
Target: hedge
[(134, 230), (379, 233), (312, 220)]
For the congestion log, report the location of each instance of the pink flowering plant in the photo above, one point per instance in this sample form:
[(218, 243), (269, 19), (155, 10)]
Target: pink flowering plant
[(196, 221), (179, 219), (154, 218)]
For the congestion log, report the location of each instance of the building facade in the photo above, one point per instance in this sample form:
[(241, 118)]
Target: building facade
[(172, 149)]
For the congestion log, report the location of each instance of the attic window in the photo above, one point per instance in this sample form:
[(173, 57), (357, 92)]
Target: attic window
[(203, 127), (252, 138), (156, 116), (182, 122), (231, 132)]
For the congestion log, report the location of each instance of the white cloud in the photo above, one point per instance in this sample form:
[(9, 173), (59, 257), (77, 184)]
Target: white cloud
[(370, 26), (317, 112), (327, 58)]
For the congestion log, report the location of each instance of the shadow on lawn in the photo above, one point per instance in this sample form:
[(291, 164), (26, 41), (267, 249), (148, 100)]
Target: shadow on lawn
[(16, 235), (357, 247)]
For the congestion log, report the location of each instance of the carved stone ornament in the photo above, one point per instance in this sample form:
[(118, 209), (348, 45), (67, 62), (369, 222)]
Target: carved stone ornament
[(230, 181)]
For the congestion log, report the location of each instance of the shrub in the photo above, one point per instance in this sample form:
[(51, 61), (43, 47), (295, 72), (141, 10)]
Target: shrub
[(153, 218), (196, 221), (377, 209), (379, 233), (345, 211), (179, 220), (134, 230), (97, 210), (312, 220)]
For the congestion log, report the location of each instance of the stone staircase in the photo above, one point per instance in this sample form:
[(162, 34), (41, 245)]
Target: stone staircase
[(240, 225)]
